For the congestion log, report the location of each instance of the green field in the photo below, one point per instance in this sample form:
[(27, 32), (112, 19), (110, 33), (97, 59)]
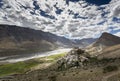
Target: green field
[(55, 57), (21, 67), (18, 67)]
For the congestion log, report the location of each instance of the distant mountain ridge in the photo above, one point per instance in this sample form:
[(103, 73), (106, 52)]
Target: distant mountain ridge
[(84, 42)]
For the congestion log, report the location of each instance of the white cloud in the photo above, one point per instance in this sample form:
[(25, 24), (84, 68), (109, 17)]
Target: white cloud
[(90, 24), (118, 34)]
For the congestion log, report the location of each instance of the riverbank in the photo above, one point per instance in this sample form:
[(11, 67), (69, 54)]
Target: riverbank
[(20, 57)]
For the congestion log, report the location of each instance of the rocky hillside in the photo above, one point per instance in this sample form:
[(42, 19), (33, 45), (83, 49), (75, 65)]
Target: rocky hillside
[(106, 40), (77, 65), (110, 52), (75, 58)]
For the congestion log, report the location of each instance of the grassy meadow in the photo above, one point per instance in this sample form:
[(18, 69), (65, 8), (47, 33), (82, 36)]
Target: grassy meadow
[(24, 66)]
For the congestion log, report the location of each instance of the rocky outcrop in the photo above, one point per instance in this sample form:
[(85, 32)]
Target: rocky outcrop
[(75, 58)]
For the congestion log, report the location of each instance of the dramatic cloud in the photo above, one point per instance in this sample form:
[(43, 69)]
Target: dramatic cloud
[(116, 12), (78, 19), (117, 34)]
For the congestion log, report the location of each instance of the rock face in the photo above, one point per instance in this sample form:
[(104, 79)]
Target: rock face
[(74, 58)]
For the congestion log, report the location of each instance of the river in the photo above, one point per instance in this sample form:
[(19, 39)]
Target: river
[(18, 58)]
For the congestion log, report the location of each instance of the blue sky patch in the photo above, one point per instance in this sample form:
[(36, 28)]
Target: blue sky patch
[(98, 2), (43, 13), (58, 11), (115, 19), (76, 15), (36, 5), (1, 4), (95, 2)]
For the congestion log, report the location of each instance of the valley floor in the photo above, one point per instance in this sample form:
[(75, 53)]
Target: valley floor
[(75, 74), (21, 57), (44, 70)]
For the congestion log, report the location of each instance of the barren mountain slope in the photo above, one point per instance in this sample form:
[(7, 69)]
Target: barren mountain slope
[(106, 40)]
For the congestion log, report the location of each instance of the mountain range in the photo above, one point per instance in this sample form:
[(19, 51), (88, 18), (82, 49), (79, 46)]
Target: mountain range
[(14, 39)]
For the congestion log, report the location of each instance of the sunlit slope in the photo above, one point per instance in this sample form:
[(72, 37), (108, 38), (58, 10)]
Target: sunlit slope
[(111, 52), (106, 40)]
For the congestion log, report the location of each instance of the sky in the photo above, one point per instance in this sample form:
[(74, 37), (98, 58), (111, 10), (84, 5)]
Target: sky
[(96, 2), (76, 19)]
